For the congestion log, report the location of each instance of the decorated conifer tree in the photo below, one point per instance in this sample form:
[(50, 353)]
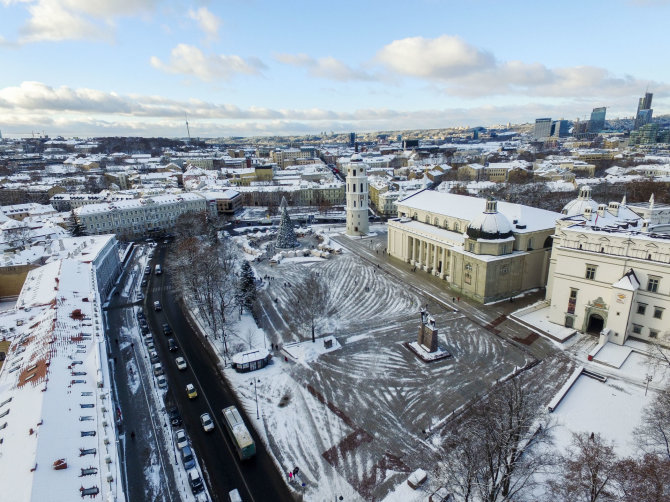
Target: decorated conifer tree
[(286, 238)]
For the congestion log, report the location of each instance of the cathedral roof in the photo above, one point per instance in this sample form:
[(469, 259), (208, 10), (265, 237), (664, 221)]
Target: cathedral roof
[(490, 224)]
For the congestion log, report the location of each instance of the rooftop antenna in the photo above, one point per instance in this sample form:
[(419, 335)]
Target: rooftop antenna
[(188, 131)]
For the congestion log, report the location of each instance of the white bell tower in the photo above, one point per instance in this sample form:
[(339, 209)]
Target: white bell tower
[(357, 196)]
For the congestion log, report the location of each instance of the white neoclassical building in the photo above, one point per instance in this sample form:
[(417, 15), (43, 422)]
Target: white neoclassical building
[(357, 196), (484, 249), (610, 269), (138, 217)]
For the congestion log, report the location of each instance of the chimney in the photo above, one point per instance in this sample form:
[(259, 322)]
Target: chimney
[(587, 213), (645, 226), (601, 210)]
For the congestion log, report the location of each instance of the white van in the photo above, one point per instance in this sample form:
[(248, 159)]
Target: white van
[(159, 270), (158, 369), (234, 496)]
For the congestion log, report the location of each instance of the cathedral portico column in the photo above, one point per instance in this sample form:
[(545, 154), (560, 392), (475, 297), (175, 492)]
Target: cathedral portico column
[(444, 263), (421, 253), (435, 249)]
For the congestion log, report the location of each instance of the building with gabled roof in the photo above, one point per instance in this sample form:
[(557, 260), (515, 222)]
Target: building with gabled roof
[(486, 250), (57, 433)]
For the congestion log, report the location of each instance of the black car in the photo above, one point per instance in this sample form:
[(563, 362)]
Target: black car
[(167, 329), (140, 315), (144, 282), (175, 418), (172, 345)]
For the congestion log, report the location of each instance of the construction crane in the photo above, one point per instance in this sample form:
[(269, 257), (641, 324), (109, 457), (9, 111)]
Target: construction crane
[(188, 131)]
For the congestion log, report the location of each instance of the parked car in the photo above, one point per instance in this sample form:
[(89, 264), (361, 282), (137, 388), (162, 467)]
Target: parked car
[(175, 418), (187, 457), (162, 381), (181, 363), (195, 481), (180, 438), (153, 357), (140, 296), (144, 282), (158, 369), (234, 496), (172, 345), (157, 306), (206, 422), (150, 346), (140, 315), (166, 329), (190, 391), (147, 270)]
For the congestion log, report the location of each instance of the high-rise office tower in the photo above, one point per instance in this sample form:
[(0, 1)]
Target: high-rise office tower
[(597, 122), (644, 111), (560, 129), (645, 102), (542, 128)]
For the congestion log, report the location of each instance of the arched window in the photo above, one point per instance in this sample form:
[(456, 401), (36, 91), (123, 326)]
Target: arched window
[(437, 222), (354, 172), (415, 217), (455, 226), (427, 219)]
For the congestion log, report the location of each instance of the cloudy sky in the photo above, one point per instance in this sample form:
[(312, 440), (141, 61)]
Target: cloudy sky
[(252, 67)]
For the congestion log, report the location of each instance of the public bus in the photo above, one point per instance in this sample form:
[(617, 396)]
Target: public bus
[(244, 444)]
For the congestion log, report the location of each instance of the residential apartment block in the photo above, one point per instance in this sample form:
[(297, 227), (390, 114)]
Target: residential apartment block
[(139, 217)]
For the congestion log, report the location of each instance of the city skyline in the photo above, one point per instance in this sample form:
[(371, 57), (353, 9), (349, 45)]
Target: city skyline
[(119, 67)]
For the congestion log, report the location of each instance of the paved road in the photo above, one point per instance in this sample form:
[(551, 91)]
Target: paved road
[(137, 409), (256, 479)]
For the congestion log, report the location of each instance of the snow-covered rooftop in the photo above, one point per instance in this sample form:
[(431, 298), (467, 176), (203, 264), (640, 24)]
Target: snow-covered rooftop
[(464, 207), (56, 413)]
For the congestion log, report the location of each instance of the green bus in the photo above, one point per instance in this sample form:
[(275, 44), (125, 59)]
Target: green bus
[(244, 444)]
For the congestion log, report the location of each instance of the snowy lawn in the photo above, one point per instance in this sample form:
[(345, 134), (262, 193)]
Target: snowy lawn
[(612, 409), (355, 419)]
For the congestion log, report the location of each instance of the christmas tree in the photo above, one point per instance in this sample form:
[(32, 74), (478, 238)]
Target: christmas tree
[(286, 238)]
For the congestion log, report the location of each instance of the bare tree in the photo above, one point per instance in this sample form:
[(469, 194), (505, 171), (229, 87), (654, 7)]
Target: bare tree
[(653, 434), (204, 273), (498, 450), (588, 472), (646, 479), (311, 306)]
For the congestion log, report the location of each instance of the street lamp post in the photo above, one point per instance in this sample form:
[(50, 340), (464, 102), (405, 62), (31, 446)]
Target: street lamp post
[(647, 379), (256, 394)]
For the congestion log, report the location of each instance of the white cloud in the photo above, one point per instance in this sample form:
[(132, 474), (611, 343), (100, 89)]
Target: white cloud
[(465, 70), (55, 20), (444, 57), (189, 60), (86, 112), (209, 23), (327, 67)]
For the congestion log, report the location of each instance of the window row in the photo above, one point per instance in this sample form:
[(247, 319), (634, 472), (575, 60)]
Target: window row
[(642, 310)]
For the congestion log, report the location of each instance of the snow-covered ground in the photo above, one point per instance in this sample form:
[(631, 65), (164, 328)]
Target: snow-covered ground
[(355, 418)]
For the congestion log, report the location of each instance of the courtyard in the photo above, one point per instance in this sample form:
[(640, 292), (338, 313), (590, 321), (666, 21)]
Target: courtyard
[(358, 418)]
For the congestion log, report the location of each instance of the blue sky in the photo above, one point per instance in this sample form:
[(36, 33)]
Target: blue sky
[(135, 67)]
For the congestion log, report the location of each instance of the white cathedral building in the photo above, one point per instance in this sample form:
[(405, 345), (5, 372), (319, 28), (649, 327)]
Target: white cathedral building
[(610, 269), (357, 196)]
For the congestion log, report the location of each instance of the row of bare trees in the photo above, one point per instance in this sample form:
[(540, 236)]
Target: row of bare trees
[(503, 451)]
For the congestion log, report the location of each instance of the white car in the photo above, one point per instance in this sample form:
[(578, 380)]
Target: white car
[(180, 437), (162, 381), (206, 422), (181, 363)]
